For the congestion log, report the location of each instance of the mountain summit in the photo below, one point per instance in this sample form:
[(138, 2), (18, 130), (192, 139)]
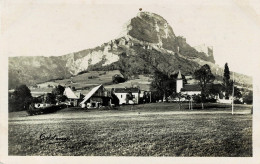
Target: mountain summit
[(151, 28), (155, 31), (147, 43)]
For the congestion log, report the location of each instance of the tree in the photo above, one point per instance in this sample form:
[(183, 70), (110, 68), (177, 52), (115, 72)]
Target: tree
[(248, 98), (129, 96), (117, 79), (162, 85), (204, 76), (61, 98), (22, 91), (20, 99), (226, 82), (58, 90), (73, 88), (237, 92), (50, 98)]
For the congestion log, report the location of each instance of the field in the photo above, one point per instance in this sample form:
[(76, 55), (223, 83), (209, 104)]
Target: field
[(89, 79), (143, 130), (86, 81)]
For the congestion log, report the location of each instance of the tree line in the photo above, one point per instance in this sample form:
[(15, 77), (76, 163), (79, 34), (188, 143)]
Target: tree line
[(21, 98), (164, 86)]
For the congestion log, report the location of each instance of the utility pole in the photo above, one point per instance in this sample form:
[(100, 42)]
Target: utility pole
[(150, 96), (233, 95), (191, 102)]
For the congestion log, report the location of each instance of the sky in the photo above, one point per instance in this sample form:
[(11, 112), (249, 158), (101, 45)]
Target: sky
[(52, 28)]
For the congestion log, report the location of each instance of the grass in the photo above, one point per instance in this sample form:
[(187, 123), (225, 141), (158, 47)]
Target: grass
[(142, 130), (86, 81), (90, 79)]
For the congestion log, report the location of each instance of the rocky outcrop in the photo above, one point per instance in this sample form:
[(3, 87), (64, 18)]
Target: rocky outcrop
[(147, 42)]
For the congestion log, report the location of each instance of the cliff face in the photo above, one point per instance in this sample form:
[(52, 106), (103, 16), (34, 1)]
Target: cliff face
[(153, 29), (147, 42)]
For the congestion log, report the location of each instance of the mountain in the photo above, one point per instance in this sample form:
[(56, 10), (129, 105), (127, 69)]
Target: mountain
[(146, 43)]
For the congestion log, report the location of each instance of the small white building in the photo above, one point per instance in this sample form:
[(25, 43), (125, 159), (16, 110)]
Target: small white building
[(122, 93), (73, 98), (190, 89)]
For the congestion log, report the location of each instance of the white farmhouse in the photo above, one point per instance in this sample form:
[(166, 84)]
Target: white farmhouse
[(122, 93)]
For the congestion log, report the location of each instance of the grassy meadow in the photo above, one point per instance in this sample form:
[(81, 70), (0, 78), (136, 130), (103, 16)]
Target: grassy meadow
[(84, 82), (158, 129)]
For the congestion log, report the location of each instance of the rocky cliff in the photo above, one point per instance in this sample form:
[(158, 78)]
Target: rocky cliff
[(147, 42)]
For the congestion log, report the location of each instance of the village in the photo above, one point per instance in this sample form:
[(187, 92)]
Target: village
[(100, 118), (101, 96)]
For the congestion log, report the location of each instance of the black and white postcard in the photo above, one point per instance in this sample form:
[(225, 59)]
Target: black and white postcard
[(130, 81)]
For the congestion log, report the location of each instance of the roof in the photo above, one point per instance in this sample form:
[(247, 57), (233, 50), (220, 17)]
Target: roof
[(69, 93), (179, 75), (191, 88), (92, 92), (126, 90), (78, 94)]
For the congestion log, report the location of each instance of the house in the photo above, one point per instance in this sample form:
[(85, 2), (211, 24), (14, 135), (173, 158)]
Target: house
[(191, 89), (222, 99), (72, 97), (123, 93), (97, 97)]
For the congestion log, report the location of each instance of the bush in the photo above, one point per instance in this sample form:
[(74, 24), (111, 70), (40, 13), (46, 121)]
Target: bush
[(58, 90), (211, 100), (118, 79), (92, 77), (237, 102), (50, 98), (50, 109), (249, 98), (61, 98), (197, 98)]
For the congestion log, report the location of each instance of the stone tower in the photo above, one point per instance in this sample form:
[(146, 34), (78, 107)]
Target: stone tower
[(179, 82)]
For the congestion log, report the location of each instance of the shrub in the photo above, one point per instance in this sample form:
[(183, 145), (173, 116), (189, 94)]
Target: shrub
[(118, 79), (92, 77), (50, 109), (237, 102), (50, 98), (248, 98)]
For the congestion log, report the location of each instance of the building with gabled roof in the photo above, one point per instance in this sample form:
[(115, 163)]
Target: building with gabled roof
[(123, 93), (98, 96), (191, 89), (69, 93), (72, 97)]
